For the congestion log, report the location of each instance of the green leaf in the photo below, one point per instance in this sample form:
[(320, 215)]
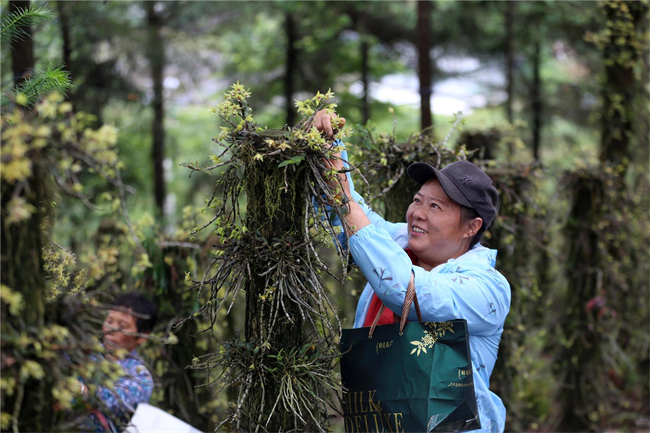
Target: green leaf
[(116, 204), (294, 160)]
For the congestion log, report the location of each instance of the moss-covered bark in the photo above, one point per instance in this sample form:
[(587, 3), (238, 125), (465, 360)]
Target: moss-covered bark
[(622, 43), (583, 346), (276, 211), (22, 272), (604, 308)]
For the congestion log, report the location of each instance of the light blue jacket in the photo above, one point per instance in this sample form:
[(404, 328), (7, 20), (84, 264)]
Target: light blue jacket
[(468, 287)]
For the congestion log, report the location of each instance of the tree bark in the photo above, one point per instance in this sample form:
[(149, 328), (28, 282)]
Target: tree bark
[(424, 62), (584, 356), (22, 263), (22, 51), (284, 224), (536, 98), (365, 107), (645, 119), (621, 86), (64, 21), (510, 59), (590, 276), (516, 211), (291, 62), (157, 64), (22, 267)]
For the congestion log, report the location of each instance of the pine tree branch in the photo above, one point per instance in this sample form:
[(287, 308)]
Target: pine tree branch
[(52, 79), (12, 27)]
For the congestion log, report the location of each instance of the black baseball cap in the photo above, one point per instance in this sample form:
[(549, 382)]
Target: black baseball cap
[(464, 183)]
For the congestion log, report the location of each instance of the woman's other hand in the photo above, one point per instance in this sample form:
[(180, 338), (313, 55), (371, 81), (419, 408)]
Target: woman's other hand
[(323, 122)]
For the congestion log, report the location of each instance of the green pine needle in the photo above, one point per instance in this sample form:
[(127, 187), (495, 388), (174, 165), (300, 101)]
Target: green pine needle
[(53, 79), (15, 24)]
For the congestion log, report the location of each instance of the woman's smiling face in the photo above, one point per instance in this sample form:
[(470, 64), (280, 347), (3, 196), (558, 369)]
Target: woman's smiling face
[(434, 226)]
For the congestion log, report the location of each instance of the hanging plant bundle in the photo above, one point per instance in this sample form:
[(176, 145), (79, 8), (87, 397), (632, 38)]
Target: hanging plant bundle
[(391, 190), (271, 200)]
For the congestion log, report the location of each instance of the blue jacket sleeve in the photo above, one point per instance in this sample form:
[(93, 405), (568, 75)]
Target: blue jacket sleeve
[(397, 231), (473, 291)]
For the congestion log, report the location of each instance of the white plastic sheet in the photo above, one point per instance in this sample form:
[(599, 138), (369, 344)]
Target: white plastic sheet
[(148, 419)]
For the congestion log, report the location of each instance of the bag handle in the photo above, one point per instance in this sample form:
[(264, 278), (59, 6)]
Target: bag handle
[(409, 299), (108, 425)]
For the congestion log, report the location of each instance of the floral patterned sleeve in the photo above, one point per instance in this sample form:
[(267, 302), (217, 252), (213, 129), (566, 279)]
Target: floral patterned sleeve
[(130, 390)]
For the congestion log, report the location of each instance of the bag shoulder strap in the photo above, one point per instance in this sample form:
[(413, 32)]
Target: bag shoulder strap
[(409, 299)]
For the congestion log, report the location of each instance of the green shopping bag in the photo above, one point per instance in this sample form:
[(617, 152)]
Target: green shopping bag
[(408, 377)]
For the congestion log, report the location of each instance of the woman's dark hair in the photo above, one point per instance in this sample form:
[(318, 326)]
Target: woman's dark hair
[(467, 214), (141, 305)]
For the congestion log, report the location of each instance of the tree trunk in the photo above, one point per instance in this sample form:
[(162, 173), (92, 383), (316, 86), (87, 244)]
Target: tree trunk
[(621, 86), (645, 119), (64, 21), (22, 272), (617, 123), (517, 210), (582, 360), (22, 50), (22, 266), (424, 62), (292, 55), (22, 263), (510, 60), (596, 288), (156, 54), (536, 98), (365, 107), (284, 224)]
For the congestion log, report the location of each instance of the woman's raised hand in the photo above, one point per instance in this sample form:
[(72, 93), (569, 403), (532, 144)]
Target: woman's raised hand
[(323, 122)]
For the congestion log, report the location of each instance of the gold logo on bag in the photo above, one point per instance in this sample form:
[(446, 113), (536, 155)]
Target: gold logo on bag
[(384, 345), (437, 330), (460, 385)]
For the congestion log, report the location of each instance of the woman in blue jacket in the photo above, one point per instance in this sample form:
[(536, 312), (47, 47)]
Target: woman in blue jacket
[(455, 276)]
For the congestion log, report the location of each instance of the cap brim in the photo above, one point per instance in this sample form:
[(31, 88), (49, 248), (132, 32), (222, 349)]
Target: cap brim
[(421, 172)]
